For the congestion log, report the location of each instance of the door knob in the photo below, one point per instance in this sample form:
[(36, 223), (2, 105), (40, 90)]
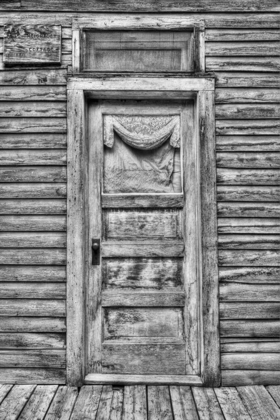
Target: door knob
[(95, 248)]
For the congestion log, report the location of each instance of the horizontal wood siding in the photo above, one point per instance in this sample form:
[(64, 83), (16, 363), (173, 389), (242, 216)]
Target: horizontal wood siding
[(33, 221), (242, 53), (245, 63)]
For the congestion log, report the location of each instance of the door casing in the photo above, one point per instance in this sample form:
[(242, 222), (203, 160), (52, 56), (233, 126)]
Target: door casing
[(80, 91)]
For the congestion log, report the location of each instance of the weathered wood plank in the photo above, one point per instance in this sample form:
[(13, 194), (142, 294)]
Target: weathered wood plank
[(39, 402), (183, 404), (32, 109), (15, 401), (62, 404), (244, 226), (33, 77), (32, 206), (134, 403), (31, 376), (30, 93), (250, 328), (249, 274), (250, 361), (33, 256), (16, 290), (247, 127), (32, 340), (33, 174), (250, 377), (143, 299), (242, 48), (248, 111), (249, 292), (32, 324), (44, 190), (104, 406), (222, 35), (238, 241), (159, 405), (166, 201), (142, 273), (206, 402), (248, 160), (265, 64), (247, 143), (33, 239), (147, 250), (32, 125), (33, 358), (274, 392), (33, 157), (33, 223), (100, 21), (248, 193), (259, 402), (249, 310), (32, 141), (248, 210), (16, 273), (4, 389), (87, 402), (242, 95), (256, 346), (231, 404), (162, 6), (66, 60), (248, 176), (247, 257), (28, 307), (239, 79), (116, 410)]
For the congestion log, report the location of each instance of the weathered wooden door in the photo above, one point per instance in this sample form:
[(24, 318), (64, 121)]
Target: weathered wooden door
[(143, 284)]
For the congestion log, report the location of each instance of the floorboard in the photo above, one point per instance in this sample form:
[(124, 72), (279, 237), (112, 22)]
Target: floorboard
[(138, 402)]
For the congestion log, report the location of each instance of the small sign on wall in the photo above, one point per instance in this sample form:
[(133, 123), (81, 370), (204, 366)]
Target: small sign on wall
[(32, 44)]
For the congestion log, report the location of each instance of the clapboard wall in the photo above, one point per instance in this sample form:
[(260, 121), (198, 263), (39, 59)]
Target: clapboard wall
[(242, 52)]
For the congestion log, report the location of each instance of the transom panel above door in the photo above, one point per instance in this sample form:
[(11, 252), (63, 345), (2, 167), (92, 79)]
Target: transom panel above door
[(140, 227)]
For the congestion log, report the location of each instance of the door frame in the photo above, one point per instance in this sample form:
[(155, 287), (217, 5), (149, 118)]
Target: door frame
[(80, 90)]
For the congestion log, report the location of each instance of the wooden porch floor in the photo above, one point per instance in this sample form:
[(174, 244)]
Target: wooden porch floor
[(53, 402)]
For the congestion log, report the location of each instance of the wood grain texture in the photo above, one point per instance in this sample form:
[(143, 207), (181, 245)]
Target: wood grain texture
[(250, 257), (32, 290), (32, 125), (262, 209), (32, 240), (241, 345), (231, 404), (247, 127), (35, 191), (33, 77), (252, 64), (244, 226), (249, 292), (32, 206), (87, 402), (33, 256), (32, 109), (63, 403), (32, 324), (244, 79), (248, 176), (32, 223), (135, 403), (249, 310), (4, 389), (32, 141), (274, 392), (183, 404), (242, 95), (250, 377), (250, 361), (161, 6), (34, 307), (248, 193), (248, 160), (33, 358), (262, 328), (16, 400), (242, 48), (264, 275), (39, 402), (248, 111), (206, 402), (33, 93), (252, 242), (41, 341), (33, 174), (159, 405), (259, 402), (247, 143), (32, 157), (16, 273), (219, 35), (32, 376)]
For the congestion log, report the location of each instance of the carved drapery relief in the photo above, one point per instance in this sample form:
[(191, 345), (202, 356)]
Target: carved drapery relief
[(142, 154)]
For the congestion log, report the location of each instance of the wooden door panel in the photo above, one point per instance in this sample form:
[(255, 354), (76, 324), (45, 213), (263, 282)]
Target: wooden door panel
[(141, 319), (142, 273)]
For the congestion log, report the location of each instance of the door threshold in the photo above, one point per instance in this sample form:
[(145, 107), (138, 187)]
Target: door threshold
[(104, 378)]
